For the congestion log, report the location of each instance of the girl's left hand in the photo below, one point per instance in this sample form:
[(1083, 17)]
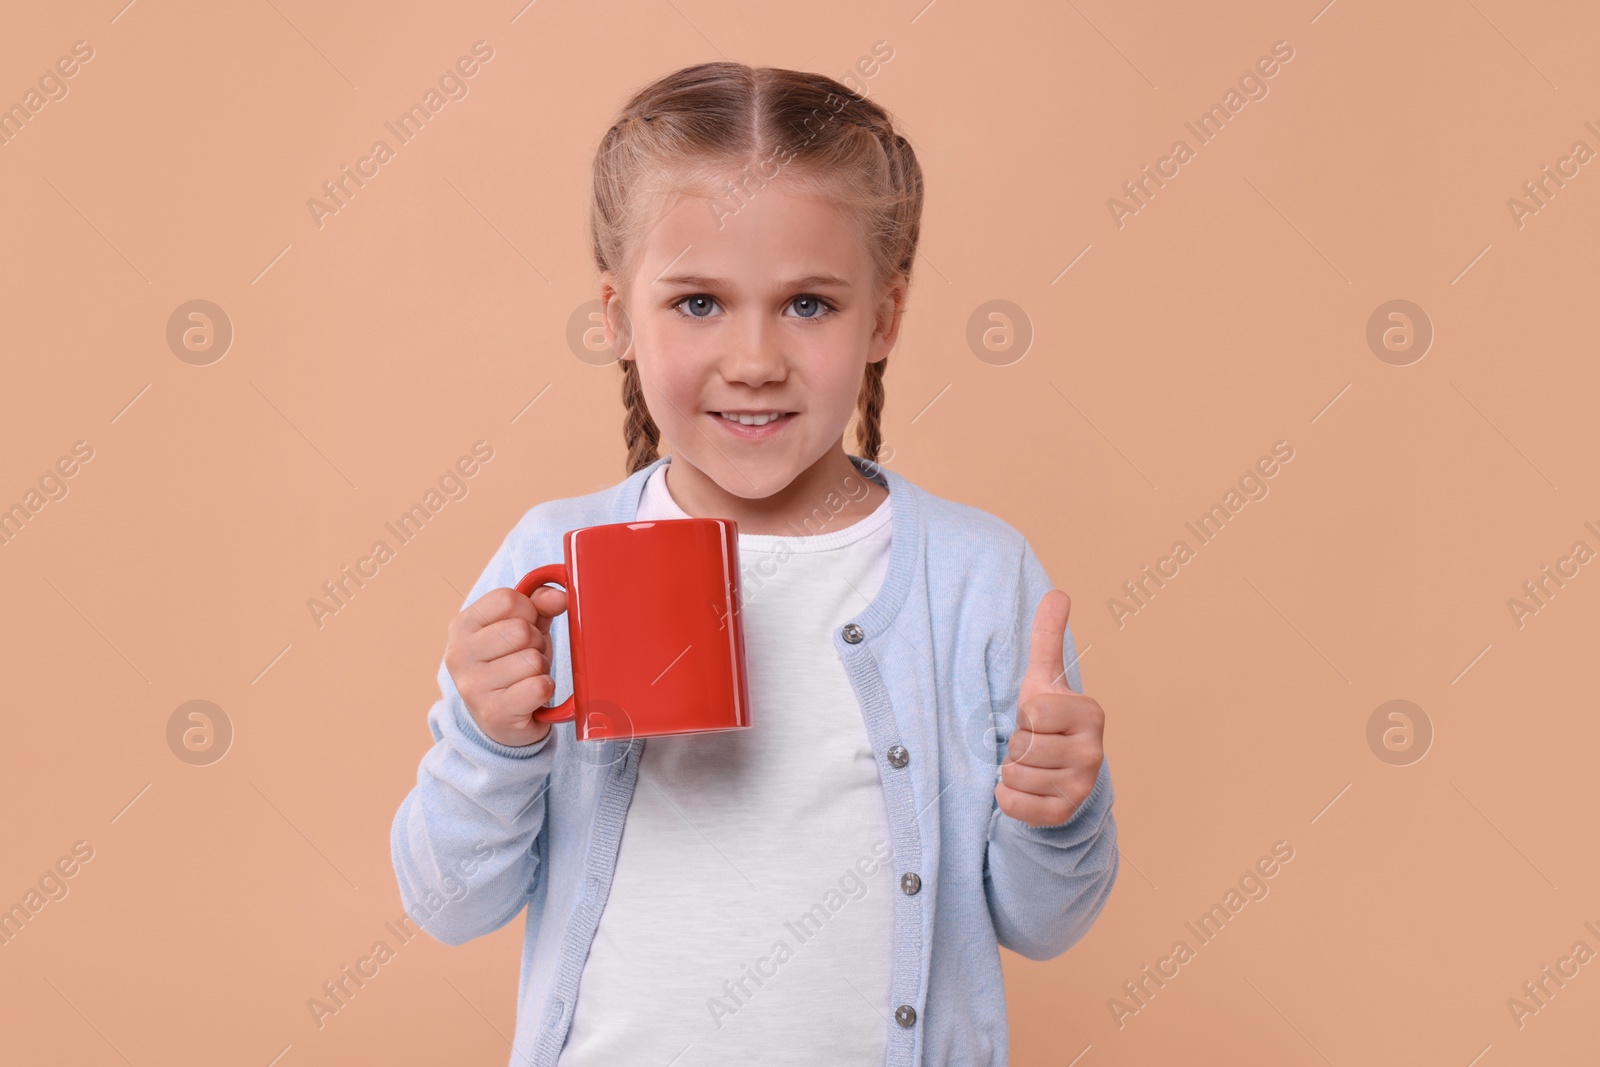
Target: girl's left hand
[(1055, 752)]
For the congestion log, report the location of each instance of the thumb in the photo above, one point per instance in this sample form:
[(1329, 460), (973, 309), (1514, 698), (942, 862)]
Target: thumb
[(1046, 672)]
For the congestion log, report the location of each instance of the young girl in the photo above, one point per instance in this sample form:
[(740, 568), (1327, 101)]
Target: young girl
[(922, 780)]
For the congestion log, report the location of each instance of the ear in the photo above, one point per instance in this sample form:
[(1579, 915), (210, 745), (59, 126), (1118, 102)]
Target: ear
[(614, 317), (886, 327)]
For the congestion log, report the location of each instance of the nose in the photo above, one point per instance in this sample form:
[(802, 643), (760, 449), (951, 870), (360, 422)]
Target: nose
[(757, 355)]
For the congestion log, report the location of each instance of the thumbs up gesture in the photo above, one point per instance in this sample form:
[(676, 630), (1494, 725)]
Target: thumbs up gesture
[(1055, 752)]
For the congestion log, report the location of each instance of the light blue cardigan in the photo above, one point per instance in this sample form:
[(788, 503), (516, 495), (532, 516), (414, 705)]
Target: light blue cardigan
[(490, 830)]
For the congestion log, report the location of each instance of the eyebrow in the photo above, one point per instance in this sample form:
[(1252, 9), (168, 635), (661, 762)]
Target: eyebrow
[(714, 283)]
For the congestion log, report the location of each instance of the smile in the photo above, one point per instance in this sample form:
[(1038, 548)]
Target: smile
[(752, 426), (753, 419)]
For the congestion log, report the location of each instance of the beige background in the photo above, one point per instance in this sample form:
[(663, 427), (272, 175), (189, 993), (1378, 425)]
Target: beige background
[(1228, 314)]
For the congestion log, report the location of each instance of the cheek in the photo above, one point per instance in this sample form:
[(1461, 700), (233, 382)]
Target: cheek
[(844, 390), (674, 379), (833, 370)]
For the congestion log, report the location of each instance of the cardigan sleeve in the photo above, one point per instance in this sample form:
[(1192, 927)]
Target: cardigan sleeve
[(462, 840), (1045, 885)]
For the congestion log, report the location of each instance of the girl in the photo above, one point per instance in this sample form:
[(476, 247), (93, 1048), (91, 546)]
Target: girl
[(922, 781)]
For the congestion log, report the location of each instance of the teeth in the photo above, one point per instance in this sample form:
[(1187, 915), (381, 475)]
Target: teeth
[(750, 420)]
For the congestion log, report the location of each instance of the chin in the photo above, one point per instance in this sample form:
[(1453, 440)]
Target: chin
[(752, 478)]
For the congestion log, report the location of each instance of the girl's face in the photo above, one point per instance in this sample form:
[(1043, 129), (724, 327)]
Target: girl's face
[(772, 312)]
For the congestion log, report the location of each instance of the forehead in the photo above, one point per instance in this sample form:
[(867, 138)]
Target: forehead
[(776, 232)]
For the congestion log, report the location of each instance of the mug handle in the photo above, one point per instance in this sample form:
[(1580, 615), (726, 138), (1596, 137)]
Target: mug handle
[(553, 574)]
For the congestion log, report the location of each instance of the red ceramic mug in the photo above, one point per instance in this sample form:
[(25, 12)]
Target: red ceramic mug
[(653, 627)]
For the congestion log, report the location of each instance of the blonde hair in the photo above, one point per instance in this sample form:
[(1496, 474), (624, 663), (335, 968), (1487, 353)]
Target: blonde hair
[(688, 129)]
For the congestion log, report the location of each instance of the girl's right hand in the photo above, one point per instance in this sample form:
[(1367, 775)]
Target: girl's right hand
[(498, 654)]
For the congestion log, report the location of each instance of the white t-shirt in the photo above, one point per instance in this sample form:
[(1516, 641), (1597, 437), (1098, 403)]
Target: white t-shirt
[(749, 920)]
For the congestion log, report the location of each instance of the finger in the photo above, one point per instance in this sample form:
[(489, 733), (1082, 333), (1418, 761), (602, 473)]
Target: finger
[(1049, 750), (490, 608), (1035, 714), (1060, 713), (549, 601), (517, 702), (511, 710), (1047, 781), (1046, 667), (1031, 809), (513, 667), (503, 638)]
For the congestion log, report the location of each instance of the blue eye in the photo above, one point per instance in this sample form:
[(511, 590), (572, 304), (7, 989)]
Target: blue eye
[(698, 299), (815, 303)]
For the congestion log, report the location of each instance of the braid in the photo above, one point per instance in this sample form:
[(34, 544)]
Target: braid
[(869, 409), (905, 181), (638, 429)]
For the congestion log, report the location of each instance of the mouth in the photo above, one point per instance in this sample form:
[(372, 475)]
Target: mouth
[(754, 425)]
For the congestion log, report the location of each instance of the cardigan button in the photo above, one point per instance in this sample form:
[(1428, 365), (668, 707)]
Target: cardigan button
[(910, 882), (898, 756), (853, 633), (905, 1015)]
